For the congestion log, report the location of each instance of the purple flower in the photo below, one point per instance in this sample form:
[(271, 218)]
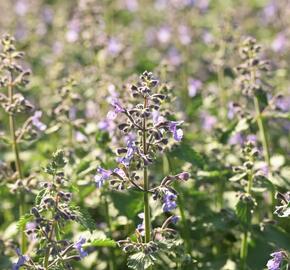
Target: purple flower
[(117, 107), (174, 57), (102, 176), (164, 34), (21, 260), (131, 5), (114, 47), (79, 246), (184, 176), (120, 172), (177, 132), (36, 121), (72, 34), (30, 231), (169, 202), (193, 86), (252, 138), (131, 149), (279, 43), (21, 7), (264, 169), (80, 137), (184, 34), (208, 121), (274, 264), (174, 219), (236, 139), (282, 103), (232, 110)]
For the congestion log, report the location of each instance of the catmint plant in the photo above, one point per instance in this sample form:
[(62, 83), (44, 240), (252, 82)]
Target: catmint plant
[(45, 224), (14, 77), (147, 129), (252, 85), (249, 177)]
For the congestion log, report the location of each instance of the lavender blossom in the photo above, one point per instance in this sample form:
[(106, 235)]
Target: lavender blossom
[(193, 86), (236, 139), (282, 103), (114, 47), (118, 108), (169, 202), (184, 34), (131, 149), (79, 246), (275, 263), (164, 35), (36, 121), (102, 176), (174, 219), (177, 132), (279, 43), (21, 260), (208, 121)]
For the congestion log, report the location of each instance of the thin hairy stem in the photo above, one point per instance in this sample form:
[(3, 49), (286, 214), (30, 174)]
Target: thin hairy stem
[(244, 244), (146, 185), (263, 136), (12, 127)]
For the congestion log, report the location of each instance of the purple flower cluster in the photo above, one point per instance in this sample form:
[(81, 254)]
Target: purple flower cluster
[(169, 201), (176, 131), (22, 259), (275, 262), (35, 119), (79, 247)]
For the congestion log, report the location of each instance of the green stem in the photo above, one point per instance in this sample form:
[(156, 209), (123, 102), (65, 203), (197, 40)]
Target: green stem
[(264, 139), (146, 185), (262, 131), (15, 149), (53, 227), (244, 244), (113, 265)]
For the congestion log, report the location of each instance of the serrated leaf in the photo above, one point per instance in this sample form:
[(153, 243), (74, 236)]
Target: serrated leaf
[(21, 224), (140, 261), (39, 196), (237, 177), (84, 218)]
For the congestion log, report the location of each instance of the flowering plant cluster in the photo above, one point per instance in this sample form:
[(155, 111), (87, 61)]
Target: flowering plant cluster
[(185, 166), (146, 128)]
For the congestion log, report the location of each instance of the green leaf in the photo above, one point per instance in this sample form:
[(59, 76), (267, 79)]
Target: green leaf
[(242, 125), (244, 212), (128, 203), (39, 196), (237, 177), (84, 218), (140, 261), (21, 224), (107, 242), (185, 152)]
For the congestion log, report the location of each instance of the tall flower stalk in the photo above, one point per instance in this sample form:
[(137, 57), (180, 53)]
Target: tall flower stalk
[(13, 77), (246, 203), (146, 131), (252, 85)]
